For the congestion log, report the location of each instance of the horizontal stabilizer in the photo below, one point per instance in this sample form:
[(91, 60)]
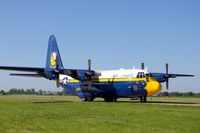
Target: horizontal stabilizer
[(25, 69), (27, 75)]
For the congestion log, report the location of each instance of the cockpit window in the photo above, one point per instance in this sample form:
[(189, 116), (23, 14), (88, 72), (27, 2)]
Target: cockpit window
[(141, 75)]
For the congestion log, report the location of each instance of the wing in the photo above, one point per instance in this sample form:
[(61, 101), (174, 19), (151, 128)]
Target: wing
[(162, 77), (79, 74), (179, 75)]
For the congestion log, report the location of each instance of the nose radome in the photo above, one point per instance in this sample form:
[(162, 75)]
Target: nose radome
[(153, 87)]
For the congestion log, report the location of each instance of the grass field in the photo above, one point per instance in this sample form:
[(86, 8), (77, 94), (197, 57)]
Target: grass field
[(66, 114)]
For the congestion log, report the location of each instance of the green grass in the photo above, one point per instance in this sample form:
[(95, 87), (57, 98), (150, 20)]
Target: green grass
[(66, 114), (176, 99)]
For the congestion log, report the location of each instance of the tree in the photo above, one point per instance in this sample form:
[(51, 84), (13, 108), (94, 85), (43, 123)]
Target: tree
[(2, 92), (174, 94), (28, 91), (166, 93), (40, 92), (190, 93), (32, 91)]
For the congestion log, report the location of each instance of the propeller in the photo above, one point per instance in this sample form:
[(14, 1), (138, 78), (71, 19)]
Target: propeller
[(57, 74), (142, 66), (89, 64), (167, 76), (89, 75), (164, 77), (58, 81)]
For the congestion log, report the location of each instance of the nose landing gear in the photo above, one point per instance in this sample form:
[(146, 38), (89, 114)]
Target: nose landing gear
[(143, 99)]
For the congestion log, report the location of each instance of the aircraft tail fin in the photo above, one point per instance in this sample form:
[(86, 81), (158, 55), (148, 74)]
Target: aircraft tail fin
[(53, 61)]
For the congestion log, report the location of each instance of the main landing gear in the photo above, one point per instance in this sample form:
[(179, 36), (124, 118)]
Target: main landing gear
[(87, 99), (110, 99), (143, 99)]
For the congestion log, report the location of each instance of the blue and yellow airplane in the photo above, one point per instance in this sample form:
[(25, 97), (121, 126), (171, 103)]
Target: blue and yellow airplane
[(89, 84)]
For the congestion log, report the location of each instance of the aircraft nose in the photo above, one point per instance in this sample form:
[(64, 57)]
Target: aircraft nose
[(153, 87)]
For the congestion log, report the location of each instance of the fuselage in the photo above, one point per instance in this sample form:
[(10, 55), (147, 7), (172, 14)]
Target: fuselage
[(128, 83)]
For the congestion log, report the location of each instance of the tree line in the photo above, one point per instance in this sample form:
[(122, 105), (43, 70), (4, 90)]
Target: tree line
[(32, 91), (179, 94)]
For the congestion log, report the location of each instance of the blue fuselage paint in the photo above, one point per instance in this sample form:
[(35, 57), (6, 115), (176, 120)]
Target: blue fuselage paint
[(129, 89)]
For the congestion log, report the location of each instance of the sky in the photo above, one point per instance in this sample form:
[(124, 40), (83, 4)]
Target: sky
[(113, 33)]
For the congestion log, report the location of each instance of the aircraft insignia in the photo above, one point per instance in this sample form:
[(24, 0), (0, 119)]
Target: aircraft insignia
[(53, 59), (65, 80), (135, 87)]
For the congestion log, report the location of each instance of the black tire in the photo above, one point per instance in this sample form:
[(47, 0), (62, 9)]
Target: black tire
[(110, 99), (115, 100), (87, 99), (91, 99), (143, 99), (83, 99)]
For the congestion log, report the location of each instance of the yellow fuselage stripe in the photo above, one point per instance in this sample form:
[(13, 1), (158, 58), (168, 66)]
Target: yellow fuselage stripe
[(115, 80)]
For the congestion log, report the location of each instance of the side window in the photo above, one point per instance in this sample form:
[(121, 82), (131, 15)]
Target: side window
[(141, 75), (138, 75)]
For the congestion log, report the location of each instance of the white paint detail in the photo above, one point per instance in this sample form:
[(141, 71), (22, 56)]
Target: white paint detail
[(125, 73), (122, 73), (64, 79)]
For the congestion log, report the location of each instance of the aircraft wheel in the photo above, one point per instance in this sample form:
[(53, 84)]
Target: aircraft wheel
[(87, 99), (91, 99), (115, 100), (110, 99), (83, 99), (143, 99)]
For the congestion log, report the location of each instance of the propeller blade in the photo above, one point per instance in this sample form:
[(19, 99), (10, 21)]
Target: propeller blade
[(167, 83), (167, 68), (57, 83), (57, 80), (167, 76), (89, 64), (89, 74), (142, 66), (90, 85)]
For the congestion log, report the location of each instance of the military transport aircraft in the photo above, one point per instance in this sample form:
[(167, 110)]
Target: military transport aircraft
[(89, 84)]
